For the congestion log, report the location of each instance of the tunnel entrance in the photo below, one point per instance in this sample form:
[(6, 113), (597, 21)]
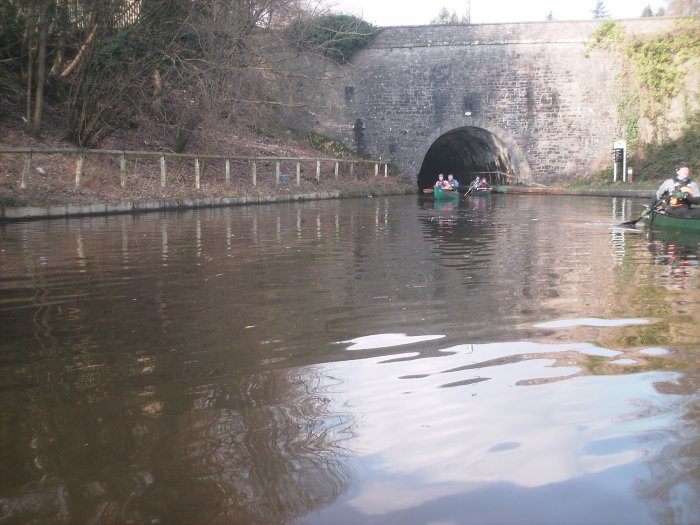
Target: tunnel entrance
[(466, 153)]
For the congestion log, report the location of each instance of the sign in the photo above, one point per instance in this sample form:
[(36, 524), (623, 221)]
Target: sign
[(619, 155)]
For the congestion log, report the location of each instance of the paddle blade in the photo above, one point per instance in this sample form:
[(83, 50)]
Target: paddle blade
[(631, 223), (635, 221)]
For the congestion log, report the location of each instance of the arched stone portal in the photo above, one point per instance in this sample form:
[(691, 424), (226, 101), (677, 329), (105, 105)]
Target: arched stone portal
[(464, 151), (537, 87)]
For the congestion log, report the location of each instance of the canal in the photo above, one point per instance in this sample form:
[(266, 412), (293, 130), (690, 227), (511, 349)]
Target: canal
[(515, 359)]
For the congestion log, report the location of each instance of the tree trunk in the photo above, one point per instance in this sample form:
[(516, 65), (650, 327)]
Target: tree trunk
[(44, 20), (185, 130), (81, 53), (157, 101), (30, 80)]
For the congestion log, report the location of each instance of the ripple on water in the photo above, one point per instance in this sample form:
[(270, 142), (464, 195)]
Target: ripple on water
[(590, 321), (481, 419)]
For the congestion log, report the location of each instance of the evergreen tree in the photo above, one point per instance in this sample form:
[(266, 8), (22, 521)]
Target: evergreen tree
[(444, 17), (600, 11)]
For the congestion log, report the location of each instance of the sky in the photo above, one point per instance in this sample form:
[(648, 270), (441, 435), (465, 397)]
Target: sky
[(418, 12)]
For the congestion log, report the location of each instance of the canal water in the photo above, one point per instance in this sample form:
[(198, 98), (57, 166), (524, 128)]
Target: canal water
[(515, 359)]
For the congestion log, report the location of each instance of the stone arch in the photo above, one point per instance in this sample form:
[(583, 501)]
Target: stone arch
[(467, 145)]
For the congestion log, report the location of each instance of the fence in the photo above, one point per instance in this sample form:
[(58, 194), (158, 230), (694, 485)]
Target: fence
[(199, 166)]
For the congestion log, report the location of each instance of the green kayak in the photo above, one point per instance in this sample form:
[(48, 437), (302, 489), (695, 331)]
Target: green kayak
[(656, 219), (439, 193)]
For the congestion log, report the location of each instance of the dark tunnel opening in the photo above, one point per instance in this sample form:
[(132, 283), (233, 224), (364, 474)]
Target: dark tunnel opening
[(466, 153)]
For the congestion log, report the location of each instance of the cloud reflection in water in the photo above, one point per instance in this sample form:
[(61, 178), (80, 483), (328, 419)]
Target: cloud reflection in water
[(516, 413), (590, 321), (371, 342)]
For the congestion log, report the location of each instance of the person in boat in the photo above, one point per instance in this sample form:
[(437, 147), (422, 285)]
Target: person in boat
[(454, 183), (483, 184), (473, 185), (680, 192), (442, 183)]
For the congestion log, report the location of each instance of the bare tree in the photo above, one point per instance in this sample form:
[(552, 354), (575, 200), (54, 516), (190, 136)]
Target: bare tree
[(683, 7), (181, 61), (37, 20)]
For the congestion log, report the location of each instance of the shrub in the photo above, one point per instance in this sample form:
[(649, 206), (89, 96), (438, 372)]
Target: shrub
[(337, 37)]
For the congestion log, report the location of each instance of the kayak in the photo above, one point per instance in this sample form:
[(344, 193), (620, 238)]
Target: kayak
[(439, 193), (656, 219)]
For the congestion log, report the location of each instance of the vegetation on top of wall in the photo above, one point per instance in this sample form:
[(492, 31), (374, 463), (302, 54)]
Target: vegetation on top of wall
[(652, 73), (653, 163), (337, 37), (609, 33)]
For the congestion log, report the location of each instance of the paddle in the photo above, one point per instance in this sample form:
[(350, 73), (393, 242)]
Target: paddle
[(646, 212), (471, 187)]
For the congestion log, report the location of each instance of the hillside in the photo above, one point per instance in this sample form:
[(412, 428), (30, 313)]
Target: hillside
[(101, 179)]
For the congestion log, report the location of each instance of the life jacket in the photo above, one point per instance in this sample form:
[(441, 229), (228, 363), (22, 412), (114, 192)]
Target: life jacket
[(681, 186)]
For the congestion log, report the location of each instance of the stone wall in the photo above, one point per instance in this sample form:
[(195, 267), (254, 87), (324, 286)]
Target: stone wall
[(535, 86)]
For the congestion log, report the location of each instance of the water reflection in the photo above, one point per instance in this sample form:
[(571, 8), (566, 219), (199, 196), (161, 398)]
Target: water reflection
[(485, 423), (679, 254), (381, 361), (387, 340), (590, 321), (158, 454)]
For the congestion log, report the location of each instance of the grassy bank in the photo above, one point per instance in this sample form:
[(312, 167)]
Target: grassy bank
[(652, 164)]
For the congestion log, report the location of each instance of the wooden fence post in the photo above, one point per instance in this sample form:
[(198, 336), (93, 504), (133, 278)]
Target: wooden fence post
[(25, 171), (197, 173), (122, 169), (201, 168), (163, 171), (79, 169)]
